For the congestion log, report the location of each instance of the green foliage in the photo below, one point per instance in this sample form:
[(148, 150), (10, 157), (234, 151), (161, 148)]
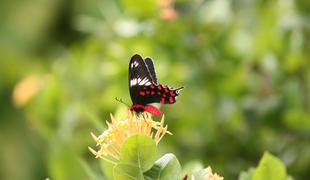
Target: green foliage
[(137, 155), (137, 162), (123, 171), (165, 168), (139, 150), (269, 167)]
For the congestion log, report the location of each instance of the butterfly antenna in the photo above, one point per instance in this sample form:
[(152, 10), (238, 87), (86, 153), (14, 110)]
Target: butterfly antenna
[(121, 101)]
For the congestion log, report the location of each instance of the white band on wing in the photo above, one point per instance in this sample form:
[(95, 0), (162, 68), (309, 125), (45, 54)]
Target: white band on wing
[(143, 82)]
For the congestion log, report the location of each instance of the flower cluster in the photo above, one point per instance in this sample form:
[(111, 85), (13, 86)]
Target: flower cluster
[(111, 140)]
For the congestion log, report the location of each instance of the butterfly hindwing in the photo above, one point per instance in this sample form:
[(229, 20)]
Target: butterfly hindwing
[(158, 94), (150, 65)]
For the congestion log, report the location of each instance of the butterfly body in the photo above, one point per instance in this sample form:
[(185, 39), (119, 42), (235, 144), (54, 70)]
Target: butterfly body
[(144, 89)]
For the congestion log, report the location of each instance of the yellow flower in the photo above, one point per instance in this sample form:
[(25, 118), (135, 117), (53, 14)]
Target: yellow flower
[(111, 140)]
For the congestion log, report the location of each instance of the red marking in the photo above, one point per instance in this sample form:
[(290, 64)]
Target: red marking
[(159, 93), (147, 92), (152, 109), (152, 92), (172, 93), (162, 101), (142, 93), (137, 106), (164, 95), (152, 86), (144, 87), (159, 87), (171, 100), (166, 90)]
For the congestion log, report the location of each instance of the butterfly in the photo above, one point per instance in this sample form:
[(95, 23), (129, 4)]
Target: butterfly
[(144, 89)]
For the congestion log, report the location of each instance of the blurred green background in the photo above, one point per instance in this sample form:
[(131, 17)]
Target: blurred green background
[(245, 66)]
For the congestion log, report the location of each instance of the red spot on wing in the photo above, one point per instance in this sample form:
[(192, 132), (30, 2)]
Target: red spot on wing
[(144, 87), (162, 101), (164, 95), (142, 93), (152, 92), (152, 86), (152, 109), (159, 87), (147, 92), (159, 93), (171, 100), (166, 90), (172, 93)]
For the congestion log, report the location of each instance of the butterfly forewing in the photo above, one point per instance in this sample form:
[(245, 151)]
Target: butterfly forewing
[(139, 75)]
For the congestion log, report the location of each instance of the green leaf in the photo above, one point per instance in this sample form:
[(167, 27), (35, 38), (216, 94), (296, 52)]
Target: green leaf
[(140, 151), (124, 171), (271, 168), (165, 168)]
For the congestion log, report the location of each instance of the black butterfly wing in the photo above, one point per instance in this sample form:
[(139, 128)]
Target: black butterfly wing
[(150, 65), (159, 94), (139, 76)]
